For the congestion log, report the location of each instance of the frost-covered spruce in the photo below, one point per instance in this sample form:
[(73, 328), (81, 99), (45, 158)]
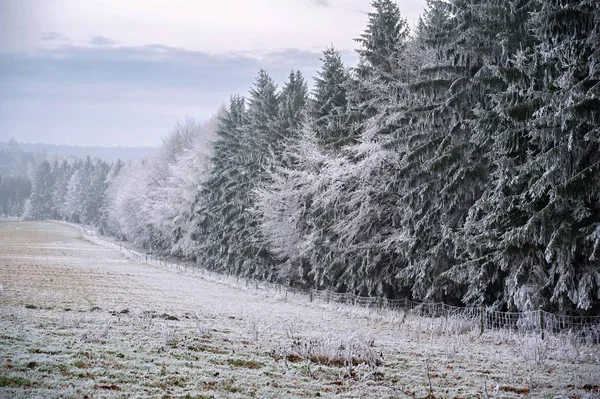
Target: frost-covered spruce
[(292, 103), (214, 207), (328, 109), (538, 222), (41, 193)]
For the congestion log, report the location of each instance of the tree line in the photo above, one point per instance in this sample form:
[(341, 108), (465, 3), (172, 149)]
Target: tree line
[(457, 162)]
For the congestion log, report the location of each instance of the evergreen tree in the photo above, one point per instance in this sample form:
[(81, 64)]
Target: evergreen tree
[(262, 140), (536, 228), (73, 204), (247, 142), (263, 104), (41, 192), (443, 141), (85, 196), (104, 223), (217, 204), (94, 197), (329, 107), (292, 103), (14, 191), (381, 44), (62, 175)]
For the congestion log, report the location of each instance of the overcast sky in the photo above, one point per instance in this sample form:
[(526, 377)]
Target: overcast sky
[(116, 72)]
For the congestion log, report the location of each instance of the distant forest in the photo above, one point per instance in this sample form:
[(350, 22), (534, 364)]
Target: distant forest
[(18, 162), (458, 162), (108, 154)]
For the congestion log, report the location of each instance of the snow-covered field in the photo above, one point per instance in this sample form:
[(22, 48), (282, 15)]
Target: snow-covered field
[(80, 320)]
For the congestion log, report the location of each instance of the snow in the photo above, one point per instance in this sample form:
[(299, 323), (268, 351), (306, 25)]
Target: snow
[(79, 319)]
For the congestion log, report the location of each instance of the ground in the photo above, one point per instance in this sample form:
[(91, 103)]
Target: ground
[(78, 319)]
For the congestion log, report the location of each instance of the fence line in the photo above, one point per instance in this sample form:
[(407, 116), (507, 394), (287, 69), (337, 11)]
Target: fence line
[(536, 321)]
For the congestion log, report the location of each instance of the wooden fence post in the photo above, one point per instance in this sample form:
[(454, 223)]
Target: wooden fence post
[(481, 320), (542, 324)]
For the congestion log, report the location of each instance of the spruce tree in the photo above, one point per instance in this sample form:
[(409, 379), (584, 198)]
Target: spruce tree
[(262, 140), (104, 223), (292, 103), (379, 43), (95, 194), (537, 224), (41, 192), (380, 46), (62, 176), (216, 203), (329, 106), (85, 194), (73, 203)]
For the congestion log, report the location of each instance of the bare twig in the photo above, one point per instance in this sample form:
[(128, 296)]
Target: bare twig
[(430, 394)]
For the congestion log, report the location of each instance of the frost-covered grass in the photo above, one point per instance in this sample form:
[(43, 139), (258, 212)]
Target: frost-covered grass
[(77, 320)]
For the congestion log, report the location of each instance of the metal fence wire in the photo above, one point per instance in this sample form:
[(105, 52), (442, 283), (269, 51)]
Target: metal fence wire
[(536, 321)]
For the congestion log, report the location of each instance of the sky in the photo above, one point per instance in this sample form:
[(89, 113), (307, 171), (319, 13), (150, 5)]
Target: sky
[(122, 73)]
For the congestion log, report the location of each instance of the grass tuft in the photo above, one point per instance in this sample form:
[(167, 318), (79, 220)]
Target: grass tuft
[(14, 382), (249, 364)]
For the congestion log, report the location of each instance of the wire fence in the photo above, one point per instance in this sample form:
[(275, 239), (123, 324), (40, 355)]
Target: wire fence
[(482, 318)]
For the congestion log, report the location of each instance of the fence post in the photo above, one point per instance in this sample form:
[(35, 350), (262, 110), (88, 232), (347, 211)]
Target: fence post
[(542, 326), (481, 320), (311, 294)]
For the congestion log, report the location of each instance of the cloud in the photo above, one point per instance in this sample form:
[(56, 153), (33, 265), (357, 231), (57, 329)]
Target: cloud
[(53, 37), (322, 3), (110, 94), (157, 64), (102, 41)]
